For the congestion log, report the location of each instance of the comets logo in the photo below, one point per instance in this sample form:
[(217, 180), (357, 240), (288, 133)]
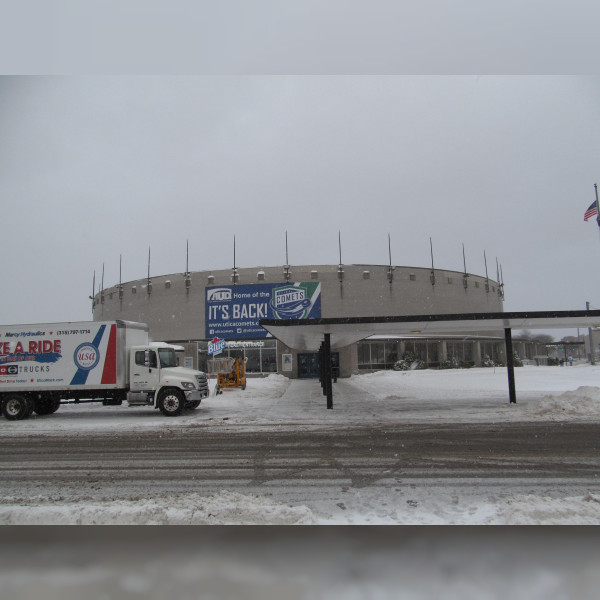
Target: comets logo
[(290, 302)]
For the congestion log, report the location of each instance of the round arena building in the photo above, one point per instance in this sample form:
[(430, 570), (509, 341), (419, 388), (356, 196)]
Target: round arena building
[(196, 308)]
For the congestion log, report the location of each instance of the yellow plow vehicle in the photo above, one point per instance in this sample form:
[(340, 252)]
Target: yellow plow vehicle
[(231, 373)]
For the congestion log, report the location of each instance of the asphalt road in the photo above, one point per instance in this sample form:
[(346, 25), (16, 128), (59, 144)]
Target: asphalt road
[(206, 460)]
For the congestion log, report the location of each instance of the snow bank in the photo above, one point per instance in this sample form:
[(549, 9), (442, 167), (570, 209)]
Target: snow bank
[(582, 402), (481, 394), (224, 508), (535, 510), (365, 508), (466, 507), (272, 386)]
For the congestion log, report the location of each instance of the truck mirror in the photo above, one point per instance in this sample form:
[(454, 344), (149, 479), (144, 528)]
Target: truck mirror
[(147, 358)]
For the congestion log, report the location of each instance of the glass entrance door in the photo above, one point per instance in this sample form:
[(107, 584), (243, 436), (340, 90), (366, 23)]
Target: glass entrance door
[(309, 368)]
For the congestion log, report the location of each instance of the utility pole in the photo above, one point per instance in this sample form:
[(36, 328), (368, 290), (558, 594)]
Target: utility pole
[(390, 274), (592, 351), (432, 274)]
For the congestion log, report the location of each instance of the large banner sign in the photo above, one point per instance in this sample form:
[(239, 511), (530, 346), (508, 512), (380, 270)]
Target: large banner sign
[(233, 311)]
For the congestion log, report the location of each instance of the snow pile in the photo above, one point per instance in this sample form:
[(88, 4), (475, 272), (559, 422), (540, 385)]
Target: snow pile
[(435, 506), (224, 508), (582, 402), (365, 507), (272, 386), (481, 394), (535, 510)]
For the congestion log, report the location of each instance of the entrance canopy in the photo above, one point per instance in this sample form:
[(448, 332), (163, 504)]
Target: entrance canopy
[(327, 334), (308, 334)]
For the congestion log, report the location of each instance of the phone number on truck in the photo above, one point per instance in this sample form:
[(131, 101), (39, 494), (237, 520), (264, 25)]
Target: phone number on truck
[(74, 332)]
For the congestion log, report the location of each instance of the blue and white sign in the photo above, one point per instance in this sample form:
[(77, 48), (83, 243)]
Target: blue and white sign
[(216, 346), (233, 312)]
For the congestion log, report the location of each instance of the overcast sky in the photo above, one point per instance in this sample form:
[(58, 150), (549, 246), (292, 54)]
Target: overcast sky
[(92, 168), (95, 166)]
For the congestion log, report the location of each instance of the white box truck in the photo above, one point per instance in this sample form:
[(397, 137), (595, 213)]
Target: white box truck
[(46, 364)]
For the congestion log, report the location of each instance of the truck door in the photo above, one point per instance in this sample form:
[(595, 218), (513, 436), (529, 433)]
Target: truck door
[(145, 373)]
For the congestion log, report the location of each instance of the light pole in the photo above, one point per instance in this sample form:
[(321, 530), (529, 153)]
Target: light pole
[(592, 351)]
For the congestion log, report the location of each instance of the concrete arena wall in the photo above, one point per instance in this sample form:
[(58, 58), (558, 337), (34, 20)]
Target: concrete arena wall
[(176, 312)]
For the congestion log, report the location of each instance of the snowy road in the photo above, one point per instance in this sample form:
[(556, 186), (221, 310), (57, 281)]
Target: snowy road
[(538, 454), (417, 447)]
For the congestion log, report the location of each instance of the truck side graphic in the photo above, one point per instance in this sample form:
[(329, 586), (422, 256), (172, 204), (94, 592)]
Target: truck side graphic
[(44, 365)]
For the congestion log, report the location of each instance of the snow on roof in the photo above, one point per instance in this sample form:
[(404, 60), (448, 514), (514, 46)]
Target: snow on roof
[(165, 345)]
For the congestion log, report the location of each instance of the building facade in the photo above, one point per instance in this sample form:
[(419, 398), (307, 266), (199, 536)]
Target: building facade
[(194, 309)]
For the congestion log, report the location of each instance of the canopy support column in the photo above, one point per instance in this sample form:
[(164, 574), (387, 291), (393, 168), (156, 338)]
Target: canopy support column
[(325, 369), (510, 365)]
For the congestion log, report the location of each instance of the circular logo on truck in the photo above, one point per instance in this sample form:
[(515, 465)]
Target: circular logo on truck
[(86, 356)]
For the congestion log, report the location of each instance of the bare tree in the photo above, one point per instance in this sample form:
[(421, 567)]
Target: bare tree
[(542, 338), (524, 336)]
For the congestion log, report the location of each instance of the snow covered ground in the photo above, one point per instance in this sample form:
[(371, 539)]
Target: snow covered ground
[(430, 396), (455, 395)]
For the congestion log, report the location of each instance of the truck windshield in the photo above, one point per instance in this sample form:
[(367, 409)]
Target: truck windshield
[(167, 357)]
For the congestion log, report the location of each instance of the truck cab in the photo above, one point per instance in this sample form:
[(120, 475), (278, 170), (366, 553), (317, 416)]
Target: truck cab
[(156, 378)]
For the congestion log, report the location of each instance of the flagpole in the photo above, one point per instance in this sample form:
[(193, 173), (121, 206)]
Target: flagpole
[(597, 206)]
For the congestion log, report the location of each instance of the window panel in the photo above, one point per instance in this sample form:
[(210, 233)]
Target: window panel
[(268, 360)]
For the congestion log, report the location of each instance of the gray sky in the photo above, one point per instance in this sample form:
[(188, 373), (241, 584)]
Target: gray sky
[(94, 167), (305, 118), (307, 37)]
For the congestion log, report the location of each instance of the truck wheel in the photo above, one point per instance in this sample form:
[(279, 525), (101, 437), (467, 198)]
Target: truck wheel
[(29, 409), (193, 404), (46, 406), (53, 405), (171, 402), (16, 407)]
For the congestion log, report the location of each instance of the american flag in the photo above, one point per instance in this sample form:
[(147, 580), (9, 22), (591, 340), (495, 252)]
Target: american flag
[(591, 211)]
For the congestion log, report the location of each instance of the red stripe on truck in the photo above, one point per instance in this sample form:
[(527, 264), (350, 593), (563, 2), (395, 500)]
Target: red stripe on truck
[(109, 374)]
